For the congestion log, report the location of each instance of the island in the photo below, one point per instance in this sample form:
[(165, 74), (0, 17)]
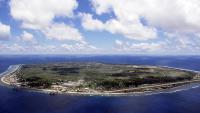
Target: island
[(96, 78)]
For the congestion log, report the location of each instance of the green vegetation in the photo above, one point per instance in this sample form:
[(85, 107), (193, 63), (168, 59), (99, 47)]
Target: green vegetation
[(98, 76)]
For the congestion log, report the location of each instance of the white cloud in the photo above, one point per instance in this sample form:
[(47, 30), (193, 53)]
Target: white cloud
[(40, 15), (76, 48), (184, 45), (27, 49), (45, 48), (4, 31), (10, 48), (174, 16), (138, 47), (62, 32), (130, 29), (37, 14), (67, 47), (27, 37), (79, 47), (89, 23), (118, 42)]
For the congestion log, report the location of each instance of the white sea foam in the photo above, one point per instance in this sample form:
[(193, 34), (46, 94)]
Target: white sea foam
[(181, 88)]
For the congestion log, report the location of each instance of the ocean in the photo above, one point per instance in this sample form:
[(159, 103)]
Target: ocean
[(23, 101)]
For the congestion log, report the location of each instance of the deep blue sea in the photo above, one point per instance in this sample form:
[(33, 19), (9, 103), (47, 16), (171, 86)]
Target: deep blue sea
[(186, 101)]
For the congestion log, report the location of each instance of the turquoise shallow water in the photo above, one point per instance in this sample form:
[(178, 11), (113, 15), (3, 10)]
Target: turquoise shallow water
[(185, 101)]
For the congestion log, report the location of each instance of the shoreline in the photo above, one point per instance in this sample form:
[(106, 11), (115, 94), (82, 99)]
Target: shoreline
[(11, 69), (8, 75)]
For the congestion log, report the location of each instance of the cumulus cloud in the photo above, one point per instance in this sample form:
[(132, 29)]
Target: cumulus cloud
[(40, 15), (184, 45), (37, 14), (76, 48), (174, 16), (91, 24), (79, 47), (4, 31), (27, 37), (62, 32), (27, 49), (6, 48), (138, 47), (175, 22), (130, 29)]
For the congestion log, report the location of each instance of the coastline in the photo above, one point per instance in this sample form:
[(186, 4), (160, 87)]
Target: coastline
[(8, 75), (11, 69)]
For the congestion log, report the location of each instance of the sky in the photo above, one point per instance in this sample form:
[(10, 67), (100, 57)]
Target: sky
[(155, 27)]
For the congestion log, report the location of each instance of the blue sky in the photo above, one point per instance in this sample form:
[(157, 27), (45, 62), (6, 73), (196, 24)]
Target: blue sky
[(133, 27)]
